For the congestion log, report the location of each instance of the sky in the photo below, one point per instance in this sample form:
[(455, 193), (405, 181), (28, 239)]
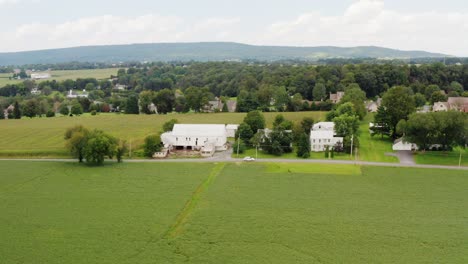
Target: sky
[(430, 25)]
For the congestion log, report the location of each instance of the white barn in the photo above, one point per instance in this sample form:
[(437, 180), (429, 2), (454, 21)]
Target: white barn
[(196, 137)]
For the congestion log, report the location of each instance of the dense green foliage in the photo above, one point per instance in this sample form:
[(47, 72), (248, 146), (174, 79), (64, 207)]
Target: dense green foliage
[(184, 87), (93, 146), (152, 145), (447, 129), (242, 213), (169, 125), (399, 104)]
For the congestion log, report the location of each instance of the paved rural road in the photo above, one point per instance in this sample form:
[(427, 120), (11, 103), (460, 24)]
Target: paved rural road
[(337, 162), (406, 157)]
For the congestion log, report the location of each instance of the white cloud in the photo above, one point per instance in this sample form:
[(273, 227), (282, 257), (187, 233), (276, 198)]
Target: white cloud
[(365, 22), (6, 2), (368, 22)]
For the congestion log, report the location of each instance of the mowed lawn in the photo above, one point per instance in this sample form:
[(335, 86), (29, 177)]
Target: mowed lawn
[(231, 213), (44, 136), (374, 148), (64, 75), (450, 158)]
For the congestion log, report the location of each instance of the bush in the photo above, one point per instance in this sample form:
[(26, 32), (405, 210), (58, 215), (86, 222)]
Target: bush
[(152, 145), (50, 113), (93, 113), (239, 145)]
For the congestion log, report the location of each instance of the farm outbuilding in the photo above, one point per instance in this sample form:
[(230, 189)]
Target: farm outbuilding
[(400, 144), (231, 130)]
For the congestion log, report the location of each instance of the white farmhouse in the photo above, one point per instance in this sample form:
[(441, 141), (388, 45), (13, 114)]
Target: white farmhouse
[(231, 130), (400, 144), (323, 135), (196, 137)]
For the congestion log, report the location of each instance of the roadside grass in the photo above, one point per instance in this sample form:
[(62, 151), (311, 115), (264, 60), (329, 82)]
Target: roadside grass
[(27, 136), (64, 75), (374, 148), (450, 158), (230, 213)]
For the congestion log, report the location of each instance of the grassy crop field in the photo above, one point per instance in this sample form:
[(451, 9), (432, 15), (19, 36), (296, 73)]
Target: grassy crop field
[(231, 213), (43, 137), (64, 75)]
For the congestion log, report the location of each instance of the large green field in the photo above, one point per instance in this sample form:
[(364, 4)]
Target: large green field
[(44, 136), (64, 75), (231, 213)]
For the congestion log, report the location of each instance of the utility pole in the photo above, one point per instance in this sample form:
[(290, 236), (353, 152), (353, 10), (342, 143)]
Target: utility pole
[(130, 150), (352, 141), (256, 151), (238, 145)]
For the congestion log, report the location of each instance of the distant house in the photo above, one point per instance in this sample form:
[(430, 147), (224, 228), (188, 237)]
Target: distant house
[(207, 138), (453, 104), (217, 105), (40, 76), (35, 91), (400, 144), (336, 98), (458, 104), (373, 106), (231, 105), (323, 135), (8, 111), (440, 107), (214, 106), (72, 95), (120, 87), (231, 130)]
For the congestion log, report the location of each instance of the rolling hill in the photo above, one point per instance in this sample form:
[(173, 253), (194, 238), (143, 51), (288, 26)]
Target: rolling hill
[(204, 51)]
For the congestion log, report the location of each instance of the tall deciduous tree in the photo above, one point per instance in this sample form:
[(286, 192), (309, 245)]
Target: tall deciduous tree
[(76, 138), (255, 120), (303, 146), (17, 111), (319, 92), (132, 105), (98, 146), (399, 104)]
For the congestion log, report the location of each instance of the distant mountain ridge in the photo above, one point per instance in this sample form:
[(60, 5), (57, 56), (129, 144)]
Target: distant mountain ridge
[(202, 51)]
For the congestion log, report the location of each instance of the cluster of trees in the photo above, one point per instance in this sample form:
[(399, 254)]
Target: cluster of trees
[(266, 87), (277, 141), (93, 146), (347, 115), (444, 130)]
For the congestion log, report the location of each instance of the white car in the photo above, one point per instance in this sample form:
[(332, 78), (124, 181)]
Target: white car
[(249, 159)]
